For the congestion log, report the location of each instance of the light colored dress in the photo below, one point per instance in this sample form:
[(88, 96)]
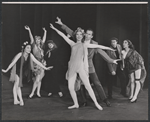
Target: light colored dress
[(78, 59), (38, 52)]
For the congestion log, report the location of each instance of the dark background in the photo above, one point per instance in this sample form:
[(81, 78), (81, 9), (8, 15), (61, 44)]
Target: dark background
[(121, 21)]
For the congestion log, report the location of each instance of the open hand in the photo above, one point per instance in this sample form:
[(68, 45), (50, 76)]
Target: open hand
[(51, 26), (48, 68), (58, 21), (115, 62), (44, 29), (27, 27)]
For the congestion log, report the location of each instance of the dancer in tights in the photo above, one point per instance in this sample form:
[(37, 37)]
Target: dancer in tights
[(134, 64), (79, 64), (38, 52), (21, 68), (92, 73)]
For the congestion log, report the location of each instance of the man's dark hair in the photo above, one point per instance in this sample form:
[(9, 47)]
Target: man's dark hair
[(114, 38), (89, 29)]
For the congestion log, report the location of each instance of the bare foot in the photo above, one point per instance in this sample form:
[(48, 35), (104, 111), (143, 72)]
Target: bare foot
[(31, 95), (38, 95), (16, 102), (74, 106), (21, 103), (98, 106), (130, 97), (49, 94), (133, 99)]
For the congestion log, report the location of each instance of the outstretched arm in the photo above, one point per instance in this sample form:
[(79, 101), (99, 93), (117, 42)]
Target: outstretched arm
[(39, 63), (30, 34), (106, 57), (13, 62), (70, 42), (98, 46), (44, 36), (64, 27)]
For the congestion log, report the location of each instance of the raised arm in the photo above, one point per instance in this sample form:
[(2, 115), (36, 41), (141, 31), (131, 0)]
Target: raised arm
[(70, 42), (30, 34), (13, 62), (98, 46), (44, 36), (39, 63), (64, 27)]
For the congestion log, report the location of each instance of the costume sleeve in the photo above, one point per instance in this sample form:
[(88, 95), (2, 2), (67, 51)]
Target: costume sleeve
[(105, 56), (112, 67), (68, 30)]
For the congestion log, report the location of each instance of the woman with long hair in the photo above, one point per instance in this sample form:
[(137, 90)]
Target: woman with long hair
[(21, 65), (78, 64), (38, 51), (134, 65)]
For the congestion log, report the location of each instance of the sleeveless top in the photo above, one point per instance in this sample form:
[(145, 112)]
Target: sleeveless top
[(78, 59), (22, 68), (38, 52)]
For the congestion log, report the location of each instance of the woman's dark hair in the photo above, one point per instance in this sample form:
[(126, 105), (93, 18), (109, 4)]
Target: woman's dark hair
[(51, 41), (80, 30), (130, 44), (24, 45), (89, 29)]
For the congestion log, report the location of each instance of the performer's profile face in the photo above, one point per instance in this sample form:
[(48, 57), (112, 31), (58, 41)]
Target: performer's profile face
[(79, 36), (27, 49), (114, 43)]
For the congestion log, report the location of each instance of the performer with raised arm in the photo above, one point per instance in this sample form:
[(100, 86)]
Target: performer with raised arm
[(38, 51), (79, 64), (22, 65), (92, 73)]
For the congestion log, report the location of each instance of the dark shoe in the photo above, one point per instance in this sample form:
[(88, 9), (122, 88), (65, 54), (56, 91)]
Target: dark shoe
[(107, 103), (38, 96), (133, 101), (83, 104), (30, 97)]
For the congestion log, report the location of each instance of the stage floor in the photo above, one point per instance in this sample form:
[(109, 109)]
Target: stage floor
[(55, 108)]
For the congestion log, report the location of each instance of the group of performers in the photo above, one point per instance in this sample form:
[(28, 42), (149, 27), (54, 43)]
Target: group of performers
[(80, 66)]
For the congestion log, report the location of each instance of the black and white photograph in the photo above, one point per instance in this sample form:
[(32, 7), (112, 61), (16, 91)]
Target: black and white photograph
[(74, 61)]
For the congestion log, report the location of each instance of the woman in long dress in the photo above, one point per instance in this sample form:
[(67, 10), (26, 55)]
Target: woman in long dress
[(79, 64)]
